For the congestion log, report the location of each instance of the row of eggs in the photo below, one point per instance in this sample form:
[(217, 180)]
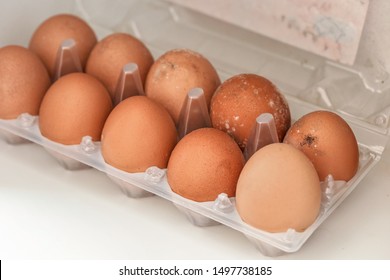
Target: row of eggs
[(276, 189)]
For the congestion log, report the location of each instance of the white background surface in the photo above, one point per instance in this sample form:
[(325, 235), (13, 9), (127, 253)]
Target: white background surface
[(49, 212)]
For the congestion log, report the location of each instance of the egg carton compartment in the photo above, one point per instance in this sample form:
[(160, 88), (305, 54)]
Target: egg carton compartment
[(360, 94), (12, 138), (25, 120), (130, 189)]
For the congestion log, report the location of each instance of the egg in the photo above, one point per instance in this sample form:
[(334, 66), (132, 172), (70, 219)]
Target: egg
[(76, 105), (49, 35), (278, 189), (112, 53), (241, 99), (23, 82), (328, 141), (205, 163), (139, 133), (174, 74)]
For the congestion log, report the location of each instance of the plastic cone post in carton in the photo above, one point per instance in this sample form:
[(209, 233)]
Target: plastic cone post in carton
[(129, 83), (67, 60), (194, 113), (263, 133)]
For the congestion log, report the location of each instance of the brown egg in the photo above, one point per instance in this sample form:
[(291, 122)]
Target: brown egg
[(23, 82), (205, 163), (241, 99), (48, 37), (112, 53), (278, 189), (174, 74), (328, 141), (76, 105), (139, 133)]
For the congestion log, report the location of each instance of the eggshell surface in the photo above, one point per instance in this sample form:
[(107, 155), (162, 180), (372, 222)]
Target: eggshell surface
[(23, 82), (205, 163), (139, 133), (174, 74), (49, 35), (112, 53), (76, 105), (328, 141), (278, 189), (241, 99)]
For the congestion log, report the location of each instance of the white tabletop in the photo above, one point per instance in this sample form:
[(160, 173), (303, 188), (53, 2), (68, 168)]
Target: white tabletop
[(47, 211)]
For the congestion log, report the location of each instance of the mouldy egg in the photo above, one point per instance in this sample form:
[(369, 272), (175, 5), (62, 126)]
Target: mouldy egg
[(174, 74), (139, 133), (205, 163), (23, 82), (112, 53), (278, 189), (241, 99), (49, 35), (76, 105), (328, 141)]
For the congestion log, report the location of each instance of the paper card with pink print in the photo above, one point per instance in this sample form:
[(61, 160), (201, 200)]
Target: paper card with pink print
[(330, 28)]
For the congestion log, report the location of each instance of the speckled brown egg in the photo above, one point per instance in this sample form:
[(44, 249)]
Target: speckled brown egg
[(328, 141), (23, 82), (139, 133), (49, 35), (112, 53), (278, 189), (76, 105), (205, 163), (241, 99), (175, 73)]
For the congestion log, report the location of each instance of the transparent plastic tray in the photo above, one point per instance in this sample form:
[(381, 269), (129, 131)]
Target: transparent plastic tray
[(359, 94)]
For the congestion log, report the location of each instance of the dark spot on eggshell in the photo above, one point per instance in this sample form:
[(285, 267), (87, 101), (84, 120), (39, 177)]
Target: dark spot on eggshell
[(308, 140)]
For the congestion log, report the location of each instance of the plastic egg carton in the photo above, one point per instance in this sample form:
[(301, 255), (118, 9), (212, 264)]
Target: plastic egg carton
[(154, 182), (307, 81)]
